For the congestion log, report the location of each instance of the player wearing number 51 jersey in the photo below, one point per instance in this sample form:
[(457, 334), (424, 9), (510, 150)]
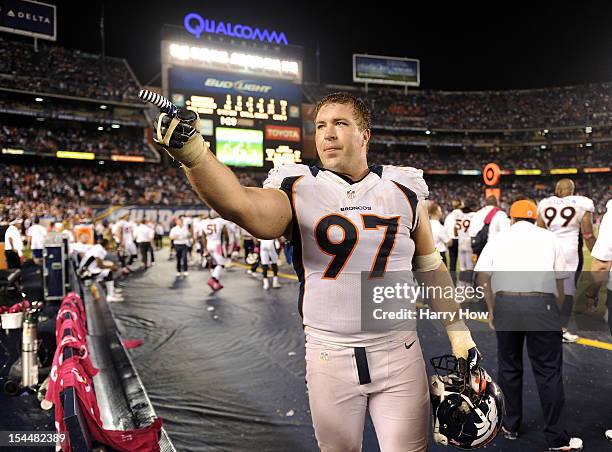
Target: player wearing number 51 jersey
[(214, 229), (344, 218), (570, 218)]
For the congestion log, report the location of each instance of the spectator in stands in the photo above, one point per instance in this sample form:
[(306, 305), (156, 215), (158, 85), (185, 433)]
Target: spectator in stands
[(58, 70)]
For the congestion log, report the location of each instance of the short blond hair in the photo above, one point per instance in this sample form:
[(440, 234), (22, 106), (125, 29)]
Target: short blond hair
[(361, 112)]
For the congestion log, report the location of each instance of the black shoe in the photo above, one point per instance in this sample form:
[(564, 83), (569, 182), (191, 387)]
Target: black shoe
[(509, 435)]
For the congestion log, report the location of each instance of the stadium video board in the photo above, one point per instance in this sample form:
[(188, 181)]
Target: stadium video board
[(249, 100), (386, 70), (239, 147)]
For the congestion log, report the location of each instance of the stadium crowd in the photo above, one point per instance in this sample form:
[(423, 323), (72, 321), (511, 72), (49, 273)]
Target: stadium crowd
[(57, 70), (81, 111), (460, 159), (43, 189), (510, 109), (70, 136), (60, 190)]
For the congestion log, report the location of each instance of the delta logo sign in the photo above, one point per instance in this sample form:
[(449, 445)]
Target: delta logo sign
[(196, 25)]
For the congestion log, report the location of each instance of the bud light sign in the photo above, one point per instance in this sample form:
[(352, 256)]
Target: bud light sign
[(196, 25)]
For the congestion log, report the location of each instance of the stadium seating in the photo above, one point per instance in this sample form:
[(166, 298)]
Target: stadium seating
[(57, 99), (57, 70), (63, 190), (484, 110)]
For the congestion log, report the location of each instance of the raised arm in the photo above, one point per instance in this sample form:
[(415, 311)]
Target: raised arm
[(265, 213)]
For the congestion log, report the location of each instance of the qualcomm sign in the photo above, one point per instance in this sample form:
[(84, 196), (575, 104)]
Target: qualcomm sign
[(196, 24)]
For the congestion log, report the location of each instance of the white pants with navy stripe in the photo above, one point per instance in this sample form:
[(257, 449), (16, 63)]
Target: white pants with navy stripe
[(397, 396)]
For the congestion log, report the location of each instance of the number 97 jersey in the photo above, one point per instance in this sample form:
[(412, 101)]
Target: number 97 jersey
[(342, 228), (563, 217)]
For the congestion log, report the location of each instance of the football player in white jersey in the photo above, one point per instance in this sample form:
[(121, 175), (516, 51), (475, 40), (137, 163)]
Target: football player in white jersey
[(200, 239), (462, 225), (215, 232), (125, 239), (450, 223), (570, 218), (601, 263), (441, 237), (269, 258), (233, 240), (344, 219)]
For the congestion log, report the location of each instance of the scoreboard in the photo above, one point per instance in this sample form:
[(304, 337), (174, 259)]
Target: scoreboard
[(251, 117)]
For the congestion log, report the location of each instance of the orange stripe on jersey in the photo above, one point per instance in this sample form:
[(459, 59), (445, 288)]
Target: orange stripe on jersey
[(297, 226), (412, 199)]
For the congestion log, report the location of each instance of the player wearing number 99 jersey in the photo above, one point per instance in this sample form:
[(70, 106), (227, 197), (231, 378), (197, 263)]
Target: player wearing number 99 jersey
[(570, 218)]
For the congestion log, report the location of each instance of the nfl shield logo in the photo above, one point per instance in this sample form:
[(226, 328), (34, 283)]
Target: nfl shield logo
[(350, 194)]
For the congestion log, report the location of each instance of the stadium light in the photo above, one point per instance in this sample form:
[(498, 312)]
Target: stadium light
[(543, 146), (13, 151), (588, 129), (588, 145), (235, 59), (38, 99), (115, 126), (103, 107), (75, 155), (100, 128), (428, 132)]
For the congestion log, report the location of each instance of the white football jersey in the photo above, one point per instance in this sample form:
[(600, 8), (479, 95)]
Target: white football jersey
[(97, 251), (450, 223), (440, 235), (127, 231), (267, 244), (234, 231), (197, 227), (462, 226), (341, 229), (562, 216), (602, 249), (213, 228)]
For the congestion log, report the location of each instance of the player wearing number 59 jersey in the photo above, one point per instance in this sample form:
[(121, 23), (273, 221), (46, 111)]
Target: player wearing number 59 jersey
[(462, 226)]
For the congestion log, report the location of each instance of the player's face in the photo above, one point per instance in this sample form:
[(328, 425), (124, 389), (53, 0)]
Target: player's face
[(340, 144)]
